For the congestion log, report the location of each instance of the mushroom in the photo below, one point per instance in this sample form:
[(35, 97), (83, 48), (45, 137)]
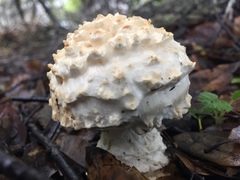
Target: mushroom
[(123, 76)]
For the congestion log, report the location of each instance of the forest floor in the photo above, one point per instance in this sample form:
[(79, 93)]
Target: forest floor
[(28, 133)]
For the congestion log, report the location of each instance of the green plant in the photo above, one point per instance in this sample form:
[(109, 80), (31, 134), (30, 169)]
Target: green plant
[(235, 80), (213, 106), (235, 96), (196, 115)]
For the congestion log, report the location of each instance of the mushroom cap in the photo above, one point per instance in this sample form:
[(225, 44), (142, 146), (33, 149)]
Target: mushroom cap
[(116, 70)]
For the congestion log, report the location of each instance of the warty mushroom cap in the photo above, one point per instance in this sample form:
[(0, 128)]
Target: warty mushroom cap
[(116, 70)]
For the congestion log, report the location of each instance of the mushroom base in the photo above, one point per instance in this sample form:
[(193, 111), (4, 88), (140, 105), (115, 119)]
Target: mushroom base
[(146, 152)]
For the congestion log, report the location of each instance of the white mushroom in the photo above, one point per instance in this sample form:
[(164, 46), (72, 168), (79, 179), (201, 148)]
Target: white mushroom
[(123, 76)]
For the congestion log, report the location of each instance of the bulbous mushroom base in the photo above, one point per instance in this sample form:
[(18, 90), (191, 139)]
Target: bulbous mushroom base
[(146, 152)]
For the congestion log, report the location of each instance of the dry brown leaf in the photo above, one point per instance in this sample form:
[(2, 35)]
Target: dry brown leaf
[(236, 26), (43, 116), (4, 137), (210, 34), (236, 106), (203, 34), (74, 145), (220, 82), (194, 143), (195, 59), (213, 80), (235, 133), (101, 165), (39, 159), (34, 66), (11, 122), (193, 167)]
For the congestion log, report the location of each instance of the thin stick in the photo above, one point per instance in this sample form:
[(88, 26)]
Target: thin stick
[(55, 152), (210, 149), (33, 99), (16, 169)]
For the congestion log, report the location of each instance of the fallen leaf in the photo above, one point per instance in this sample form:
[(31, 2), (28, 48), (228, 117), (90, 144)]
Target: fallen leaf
[(204, 33), (236, 107), (195, 143), (210, 34), (220, 82), (236, 26), (4, 137), (39, 159), (34, 66), (102, 165), (195, 59), (74, 145), (11, 122), (191, 164), (235, 133), (223, 54), (213, 80), (43, 116)]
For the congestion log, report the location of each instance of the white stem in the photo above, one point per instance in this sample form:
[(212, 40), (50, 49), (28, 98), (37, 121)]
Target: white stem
[(146, 152)]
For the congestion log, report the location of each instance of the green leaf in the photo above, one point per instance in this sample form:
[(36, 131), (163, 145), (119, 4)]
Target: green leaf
[(193, 112), (236, 95), (223, 106), (235, 80), (206, 110), (207, 97), (210, 103)]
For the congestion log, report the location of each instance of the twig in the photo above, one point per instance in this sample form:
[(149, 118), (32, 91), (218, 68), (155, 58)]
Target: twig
[(16, 169), (229, 10), (210, 149), (55, 152), (49, 13), (33, 99), (51, 129), (19, 8), (18, 84), (33, 113), (228, 31)]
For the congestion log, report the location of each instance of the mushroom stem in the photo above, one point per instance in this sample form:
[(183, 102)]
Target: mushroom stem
[(146, 152)]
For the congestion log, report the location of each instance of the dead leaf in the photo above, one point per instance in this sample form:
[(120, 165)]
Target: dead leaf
[(235, 133), (40, 90), (213, 80), (102, 165), (203, 34), (39, 159), (11, 122), (4, 137), (191, 164), (17, 86), (43, 116), (236, 26), (195, 59), (194, 143), (231, 171), (220, 82), (223, 54), (210, 34), (206, 169), (74, 145), (34, 66), (236, 107)]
